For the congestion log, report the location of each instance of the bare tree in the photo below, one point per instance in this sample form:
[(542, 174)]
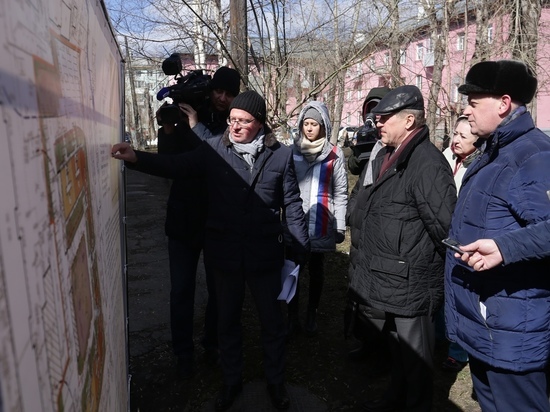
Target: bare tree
[(438, 14), (525, 17), (482, 48), (135, 110), (297, 51)]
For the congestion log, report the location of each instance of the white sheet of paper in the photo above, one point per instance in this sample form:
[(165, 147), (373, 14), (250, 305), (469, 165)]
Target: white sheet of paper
[(289, 280), (483, 310)]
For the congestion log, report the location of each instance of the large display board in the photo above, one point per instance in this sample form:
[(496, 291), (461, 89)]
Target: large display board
[(62, 311)]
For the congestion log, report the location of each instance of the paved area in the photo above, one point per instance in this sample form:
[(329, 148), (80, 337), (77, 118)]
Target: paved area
[(149, 290)]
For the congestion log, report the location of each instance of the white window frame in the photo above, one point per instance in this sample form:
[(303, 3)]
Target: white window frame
[(419, 51), (460, 41), (454, 93), (403, 56), (490, 33), (418, 82)]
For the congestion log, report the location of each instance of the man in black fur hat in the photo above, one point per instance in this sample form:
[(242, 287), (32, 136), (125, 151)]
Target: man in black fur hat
[(501, 316)]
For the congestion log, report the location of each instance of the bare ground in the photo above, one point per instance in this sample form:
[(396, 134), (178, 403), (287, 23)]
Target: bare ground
[(319, 364)]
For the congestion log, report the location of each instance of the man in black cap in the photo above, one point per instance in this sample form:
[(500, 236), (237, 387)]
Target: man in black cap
[(366, 145), (186, 216), (501, 316), (399, 271), (250, 182)]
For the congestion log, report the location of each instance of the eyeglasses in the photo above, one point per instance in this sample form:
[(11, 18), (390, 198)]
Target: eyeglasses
[(240, 122)]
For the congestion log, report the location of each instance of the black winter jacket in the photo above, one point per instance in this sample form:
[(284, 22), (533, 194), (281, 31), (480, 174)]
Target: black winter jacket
[(405, 215), (243, 227), (186, 206)]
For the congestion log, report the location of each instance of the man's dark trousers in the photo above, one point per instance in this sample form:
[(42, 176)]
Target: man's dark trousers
[(184, 260), (265, 288), (412, 345), (495, 387)]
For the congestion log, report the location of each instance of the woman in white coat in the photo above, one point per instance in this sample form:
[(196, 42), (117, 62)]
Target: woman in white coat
[(322, 177)]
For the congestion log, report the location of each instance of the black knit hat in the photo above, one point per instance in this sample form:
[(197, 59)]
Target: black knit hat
[(250, 102), (228, 79), (501, 77)]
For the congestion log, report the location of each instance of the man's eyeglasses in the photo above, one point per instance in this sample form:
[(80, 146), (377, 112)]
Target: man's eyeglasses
[(240, 122)]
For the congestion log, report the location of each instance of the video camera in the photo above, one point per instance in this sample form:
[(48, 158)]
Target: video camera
[(365, 138), (192, 89)]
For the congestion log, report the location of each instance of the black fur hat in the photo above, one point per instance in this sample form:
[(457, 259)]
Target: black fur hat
[(501, 77)]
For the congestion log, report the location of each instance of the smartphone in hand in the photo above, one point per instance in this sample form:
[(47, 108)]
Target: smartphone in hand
[(453, 245)]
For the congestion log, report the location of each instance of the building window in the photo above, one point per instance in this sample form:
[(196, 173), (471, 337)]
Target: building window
[(387, 58), (419, 82), (429, 45), (460, 41), (454, 93), (359, 94), (419, 51), (372, 61), (490, 34), (349, 94), (359, 69), (359, 119), (402, 56)]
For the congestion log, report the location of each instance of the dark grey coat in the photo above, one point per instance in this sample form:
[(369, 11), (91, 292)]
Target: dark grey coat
[(398, 267), (243, 225)]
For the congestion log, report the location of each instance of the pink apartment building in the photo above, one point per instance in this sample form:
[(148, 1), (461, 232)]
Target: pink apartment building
[(416, 65)]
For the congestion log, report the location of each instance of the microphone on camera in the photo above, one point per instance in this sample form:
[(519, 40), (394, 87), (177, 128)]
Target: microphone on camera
[(163, 93)]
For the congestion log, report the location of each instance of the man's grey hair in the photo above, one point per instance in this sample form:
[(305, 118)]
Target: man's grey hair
[(419, 116)]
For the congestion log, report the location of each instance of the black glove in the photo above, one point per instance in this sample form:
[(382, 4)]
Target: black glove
[(339, 236)]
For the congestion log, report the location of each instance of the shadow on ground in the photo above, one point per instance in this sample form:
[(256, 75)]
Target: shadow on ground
[(317, 368)]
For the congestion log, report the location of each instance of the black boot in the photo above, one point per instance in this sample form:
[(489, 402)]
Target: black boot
[(279, 396), (311, 322), (227, 396)]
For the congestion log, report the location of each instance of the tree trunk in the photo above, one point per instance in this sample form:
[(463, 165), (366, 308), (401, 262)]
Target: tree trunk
[(525, 24), (137, 118), (239, 37)]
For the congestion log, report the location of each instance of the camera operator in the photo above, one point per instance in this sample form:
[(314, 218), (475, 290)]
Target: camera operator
[(182, 129), (364, 142), (210, 120), (361, 320)]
